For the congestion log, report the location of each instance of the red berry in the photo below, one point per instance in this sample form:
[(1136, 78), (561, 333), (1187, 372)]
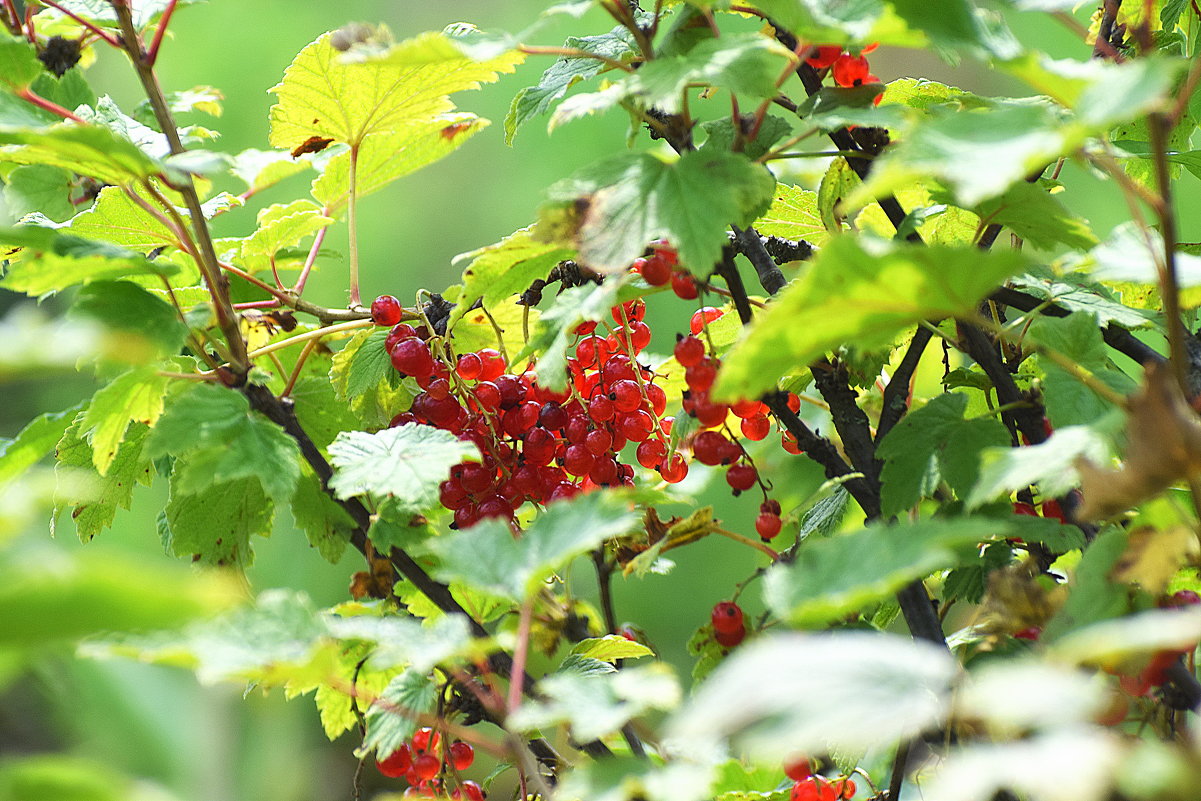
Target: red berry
[(655, 270), (703, 315), (689, 351), (399, 331), (385, 310), (412, 357), (425, 739), (469, 366), (684, 285), (1052, 510), (748, 408), (789, 443), (794, 402), (731, 638), (598, 441), (1032, 633), (578, 460), (472, 791), (709, 447), (727, 617), (397, 763), (798, 769), (493, 364), (674, 470), (426, 766), (461, 755), (824, 56), (756, 428), (651, 453), (1182, 598), (851, 70), (768, 524), (741, 477), (700, 377), (630, 310), (1020, 508), (600, 409), (625, 395), (637, 426)]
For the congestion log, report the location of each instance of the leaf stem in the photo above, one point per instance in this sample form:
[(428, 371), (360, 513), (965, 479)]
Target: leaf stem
[(12, 20), (33, 97), (353, 227), (759, 546), (311, 259), (573, 52), (103, 34), (1169, 287), (300, 360), (517, 680), (164, 20)]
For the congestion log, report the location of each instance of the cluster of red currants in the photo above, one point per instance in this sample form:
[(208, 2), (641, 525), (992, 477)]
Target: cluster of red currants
[(848, 70), (810, 787), (729, 628), (418, 763)]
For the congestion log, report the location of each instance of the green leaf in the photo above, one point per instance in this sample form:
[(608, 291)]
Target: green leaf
[(363, 376), (101, 13), (833, 107), (48, 261), (400, 640), (628, 201), (864, 292), (566, 72), (812, 693), (818, 21), (386, 156), (35, 440), (391, 718), (720, 135), (933, 444), (92, 150), (319, 411), (215, 523), (830, 578), (39, 188), (224, 441), (407, 461), (283, 226), (1075, 293), (1131, 253), (977, 154), (1067, 400), (507, 268), (259, 169), (488, 557), (145, 325), (1050, 464), (326, 524), (49, 594), (1108, 642), (599, 704), (19, 64), (116, 218), (135, 396), (1037, 217), (793, 215), (1094, 595), (322, 95), (95, 499), (610, 648)]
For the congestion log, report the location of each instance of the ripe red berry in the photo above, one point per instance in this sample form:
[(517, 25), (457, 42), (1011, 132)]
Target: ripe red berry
[(399, 331), (397, 763), (674, 470), (1031, 633), (789, 443), (426, 766), (700, 377), (709, 447), (798, 769), (850, 70), (461, 755), (655, 270), (651, 453), (1020, 508), (469, 366), (703, 315), (425, 739), (689, 351), (728, 639), (741, 477), (768, 524), (727, 617), (756, 428), (684, 285), (493, 364), (385, 310), (412, 357), (472, 791), (824, 56)]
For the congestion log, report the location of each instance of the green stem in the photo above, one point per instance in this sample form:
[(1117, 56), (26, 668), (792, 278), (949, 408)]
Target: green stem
[(353, 227)]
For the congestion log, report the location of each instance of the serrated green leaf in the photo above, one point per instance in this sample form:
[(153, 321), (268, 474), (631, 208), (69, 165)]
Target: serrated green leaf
[(1095, 596), (507, 268), (135, 396), (326, 524), (830, 578), (116, 218), (259, 169), (37, 187), (353, 687), (19, 64), (566, 72), (362, 375), (1050, 464), (862, 292), (95, 502), (35, 440), (817, 21), (282, 226), (49, 595), (214, 524), (814, 693), (488, 557), (224, 441), (599, 704), (101, 13), (322, 95), (610, 648), (977, 154), (793, 215), (1075, 293), (933, 444), (48, 261), (1068, 401), (386, 156), (392, 718), (400, 641), (834, 107), (92, 150), (720, 135), (1037, 217), (407, 461), (143, 325), (318, 410), (630, 200)]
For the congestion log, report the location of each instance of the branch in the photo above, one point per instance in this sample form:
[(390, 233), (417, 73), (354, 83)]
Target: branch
[(750, 244), (896, 394), (833, 381)]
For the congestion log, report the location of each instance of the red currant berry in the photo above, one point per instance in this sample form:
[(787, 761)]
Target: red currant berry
[(397, 763), (1031, 633), (493, 364), (731, 638), (412, 357), (700, 377), (472, 791), (461, 755), (625, 395), (684, 285), (709, 448), (655, 270), (600, 409), (768, 524), (824, 56), (1052, 510), (741, 477), (798, 769), (399, 331), (674, 470), (426, 766), (756, 428), (578, 460), (689, 351), (703, 316), (665, 251), (469, 366), (651, 453), (385, 310), (789, 443), (850, 70), (426, 739), (727, 617)]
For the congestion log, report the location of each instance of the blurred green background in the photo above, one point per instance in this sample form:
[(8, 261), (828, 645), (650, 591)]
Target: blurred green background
[(212, 743)]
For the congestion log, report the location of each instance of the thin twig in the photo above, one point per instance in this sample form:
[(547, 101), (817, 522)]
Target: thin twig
[(164, 20), (573, 52), (103, 34)]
